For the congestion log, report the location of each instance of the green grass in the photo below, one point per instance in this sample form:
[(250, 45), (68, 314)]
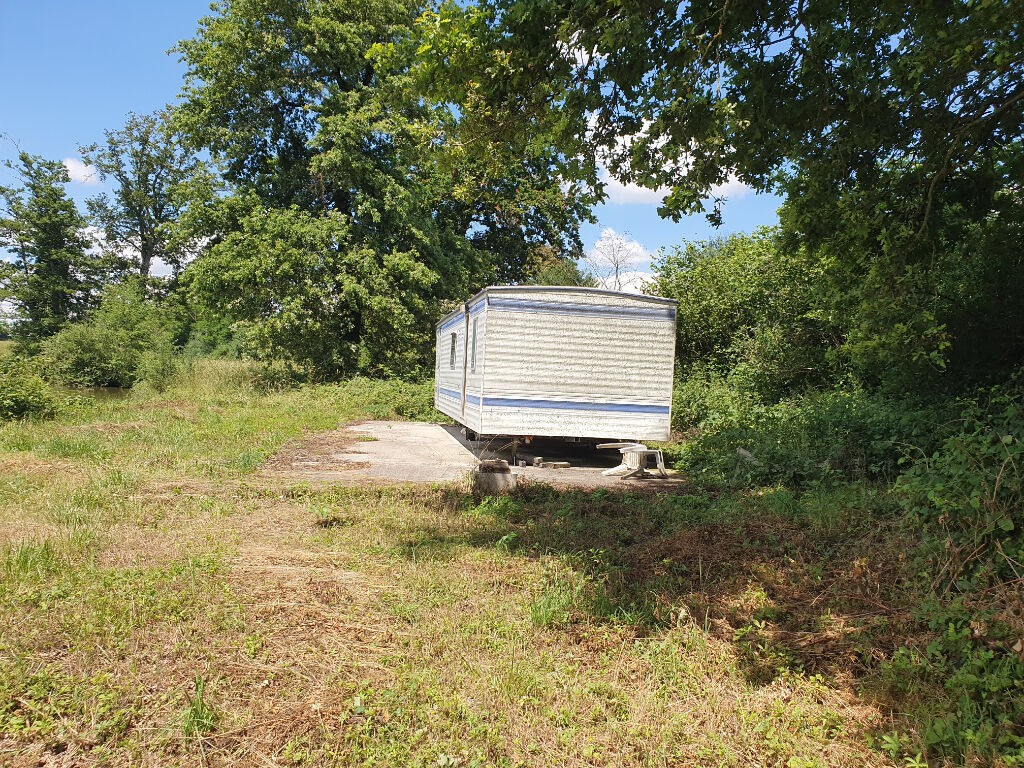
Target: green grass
[(163, 600), (6, 347)]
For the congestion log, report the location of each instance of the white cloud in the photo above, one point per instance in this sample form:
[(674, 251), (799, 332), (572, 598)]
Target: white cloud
[(632, 194), (731, 188), (80, 172)]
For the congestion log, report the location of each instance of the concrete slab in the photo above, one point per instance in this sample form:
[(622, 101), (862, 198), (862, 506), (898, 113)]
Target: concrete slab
[(384, 452)]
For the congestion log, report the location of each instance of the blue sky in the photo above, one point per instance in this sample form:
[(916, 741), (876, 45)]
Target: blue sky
[(73, 69)]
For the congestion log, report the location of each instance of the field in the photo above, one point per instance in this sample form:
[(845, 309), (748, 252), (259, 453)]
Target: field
[(5, 348), (164, 600)]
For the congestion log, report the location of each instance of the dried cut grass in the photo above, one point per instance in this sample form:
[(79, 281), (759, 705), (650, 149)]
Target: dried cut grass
[(401, 631)]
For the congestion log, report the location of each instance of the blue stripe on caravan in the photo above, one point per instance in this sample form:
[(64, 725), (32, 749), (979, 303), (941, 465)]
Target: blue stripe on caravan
[(477, 308), (457, 320), (449, 393), (573, 405), (586, 310), (474, 399)]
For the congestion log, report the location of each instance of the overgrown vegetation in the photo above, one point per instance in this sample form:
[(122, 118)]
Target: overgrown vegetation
[(771, 395), (127, 339), (162, 597), (335, 177), (23, 393)]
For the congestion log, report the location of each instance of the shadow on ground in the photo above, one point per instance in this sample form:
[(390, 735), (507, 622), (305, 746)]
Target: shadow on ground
[(792, 588)]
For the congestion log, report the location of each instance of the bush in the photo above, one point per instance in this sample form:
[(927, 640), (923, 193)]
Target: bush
[(158, 367), (840, 434), (750, 307), (705, 400), (87, 355), (969, 494), (23, 394), (125, 341), (392, 398)]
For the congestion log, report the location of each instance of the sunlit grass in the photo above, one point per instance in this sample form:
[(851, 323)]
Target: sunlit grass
[(163, 600)]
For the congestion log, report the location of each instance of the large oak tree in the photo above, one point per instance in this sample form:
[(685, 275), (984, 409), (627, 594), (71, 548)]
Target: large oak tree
[(355, 220), (894, 130)]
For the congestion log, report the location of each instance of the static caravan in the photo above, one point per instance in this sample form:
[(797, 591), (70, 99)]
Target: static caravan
[(581, 363)]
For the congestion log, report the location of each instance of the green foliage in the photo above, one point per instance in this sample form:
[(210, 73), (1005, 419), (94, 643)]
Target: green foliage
[(390, 399), (306, 292), (88, 355), (968, 494), (124, 341), (820, 435), (557, 269), (40, 703), (968, 682), (156, 179), (23, 393), (211, 335), (895, 134), (750, 308), (52, 279), (354, 217)]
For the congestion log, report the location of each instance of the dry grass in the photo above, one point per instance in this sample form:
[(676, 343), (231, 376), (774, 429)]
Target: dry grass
[(192, 612)]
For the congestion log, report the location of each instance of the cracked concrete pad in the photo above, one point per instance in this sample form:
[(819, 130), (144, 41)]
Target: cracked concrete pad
[(384, 452), (377, 452)]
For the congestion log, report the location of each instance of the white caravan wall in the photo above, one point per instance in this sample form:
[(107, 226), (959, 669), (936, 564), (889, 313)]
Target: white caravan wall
[(582, 364), (448, 378), (563, 362)]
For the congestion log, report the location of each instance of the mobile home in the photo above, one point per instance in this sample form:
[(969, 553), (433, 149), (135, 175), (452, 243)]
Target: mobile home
[(581, 363)]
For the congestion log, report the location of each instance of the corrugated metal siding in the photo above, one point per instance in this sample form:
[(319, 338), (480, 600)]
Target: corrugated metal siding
[(578, 365), (562, 363), (540, 354), (448, 381)]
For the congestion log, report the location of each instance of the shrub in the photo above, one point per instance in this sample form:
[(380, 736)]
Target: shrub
[(124, 341), (392, 398), (849, 434), (158, 367), (23, 393), (87, 355), (968, 494), (704, 399), (750, 306)]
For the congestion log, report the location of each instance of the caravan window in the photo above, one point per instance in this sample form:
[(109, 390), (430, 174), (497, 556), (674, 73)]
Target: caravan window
[(472, 359), (451, 356)]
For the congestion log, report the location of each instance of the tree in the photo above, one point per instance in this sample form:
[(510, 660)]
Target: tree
[(156, 179), (317, 297), (554, 268), (611, 258), (351, 204), (52, 278), (895, 132), (750, 309)]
